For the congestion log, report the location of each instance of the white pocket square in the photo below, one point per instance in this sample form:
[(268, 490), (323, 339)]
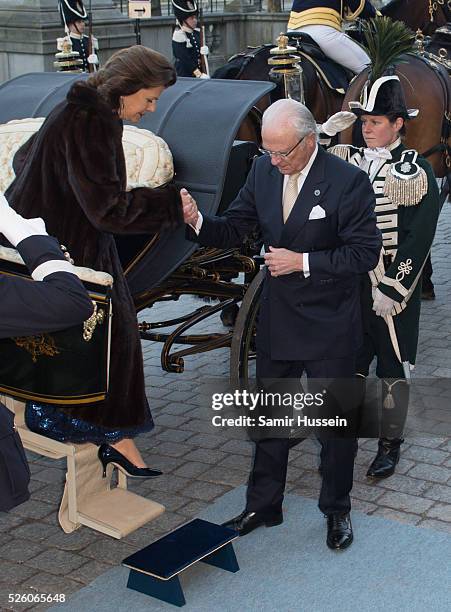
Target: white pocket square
[(317, 212)]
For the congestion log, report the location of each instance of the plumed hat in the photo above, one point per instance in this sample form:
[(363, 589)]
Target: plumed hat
[(184, 9), (383, 97), (387, 43), (71, 10)]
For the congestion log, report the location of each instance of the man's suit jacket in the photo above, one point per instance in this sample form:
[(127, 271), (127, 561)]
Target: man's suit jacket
[(318, 317)]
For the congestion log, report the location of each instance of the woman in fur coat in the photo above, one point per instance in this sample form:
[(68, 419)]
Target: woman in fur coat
[(72, 173)]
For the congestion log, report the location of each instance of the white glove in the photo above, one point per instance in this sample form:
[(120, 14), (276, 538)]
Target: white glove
[(204, 76), (93, 59), (338, 122), (15, 228), (204, 50), (382, 305)]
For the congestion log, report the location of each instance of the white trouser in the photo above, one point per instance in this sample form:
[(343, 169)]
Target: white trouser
[(338, 46)]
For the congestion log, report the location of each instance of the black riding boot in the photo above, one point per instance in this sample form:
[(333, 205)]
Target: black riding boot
[(386, 459), (395, 402)]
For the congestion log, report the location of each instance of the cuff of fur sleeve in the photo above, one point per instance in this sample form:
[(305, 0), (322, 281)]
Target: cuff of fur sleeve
[(175, 212)]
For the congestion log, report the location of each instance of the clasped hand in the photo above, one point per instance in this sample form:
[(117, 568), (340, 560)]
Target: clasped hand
[(190, 210), (283, 261)]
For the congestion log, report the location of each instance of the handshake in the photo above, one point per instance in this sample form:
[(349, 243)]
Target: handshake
[(190, 210)]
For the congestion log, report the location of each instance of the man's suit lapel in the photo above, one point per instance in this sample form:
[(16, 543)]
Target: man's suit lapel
[(311, 194)]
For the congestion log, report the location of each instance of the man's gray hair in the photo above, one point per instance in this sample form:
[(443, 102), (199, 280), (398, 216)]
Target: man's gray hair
[(290, 113)]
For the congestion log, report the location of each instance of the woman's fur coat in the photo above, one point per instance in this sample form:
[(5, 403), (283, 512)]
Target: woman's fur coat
[(72, 173)]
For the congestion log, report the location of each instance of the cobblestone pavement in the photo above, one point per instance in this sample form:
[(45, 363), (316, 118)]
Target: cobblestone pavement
[(200, 465)]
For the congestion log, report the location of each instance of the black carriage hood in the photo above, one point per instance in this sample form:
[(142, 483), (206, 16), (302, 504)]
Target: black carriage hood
[(198, 118)]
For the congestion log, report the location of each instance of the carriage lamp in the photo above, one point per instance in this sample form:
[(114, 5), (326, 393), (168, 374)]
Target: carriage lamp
[(286, 70)]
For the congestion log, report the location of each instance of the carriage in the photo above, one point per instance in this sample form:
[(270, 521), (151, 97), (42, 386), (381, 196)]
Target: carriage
[(199, 121)]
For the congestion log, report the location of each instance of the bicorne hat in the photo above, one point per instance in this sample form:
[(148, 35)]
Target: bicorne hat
[(383, 97), (71, 10), (184, 9)]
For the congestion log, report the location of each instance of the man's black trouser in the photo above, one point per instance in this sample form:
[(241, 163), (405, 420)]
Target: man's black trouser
[(267, 479)]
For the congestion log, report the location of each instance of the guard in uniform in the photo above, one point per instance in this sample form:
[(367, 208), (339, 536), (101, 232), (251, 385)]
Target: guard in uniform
[(186, 45), (322, 20), (73, 16), (407, 209)]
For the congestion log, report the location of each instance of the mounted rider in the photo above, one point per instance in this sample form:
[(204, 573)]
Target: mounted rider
[(188, 51), (322, 20)]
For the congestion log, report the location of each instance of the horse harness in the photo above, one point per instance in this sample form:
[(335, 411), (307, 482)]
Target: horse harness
[(443, 78)]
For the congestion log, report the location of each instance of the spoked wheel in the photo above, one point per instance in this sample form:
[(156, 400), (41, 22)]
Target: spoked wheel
[(243, 350)]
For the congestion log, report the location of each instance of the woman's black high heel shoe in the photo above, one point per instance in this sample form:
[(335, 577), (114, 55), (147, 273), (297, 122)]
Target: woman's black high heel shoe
[(107, 454)]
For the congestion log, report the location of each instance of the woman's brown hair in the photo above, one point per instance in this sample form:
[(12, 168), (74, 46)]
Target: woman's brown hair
[(129, 70)]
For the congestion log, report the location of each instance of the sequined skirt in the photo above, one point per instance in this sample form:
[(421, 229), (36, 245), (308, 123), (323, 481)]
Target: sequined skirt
[(47, 420)]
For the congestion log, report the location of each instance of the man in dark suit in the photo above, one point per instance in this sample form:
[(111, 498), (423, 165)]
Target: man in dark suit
[(319, 230)]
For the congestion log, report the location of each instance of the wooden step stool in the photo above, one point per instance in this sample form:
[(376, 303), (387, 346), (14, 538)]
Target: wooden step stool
[(88, 499), (155, 569)]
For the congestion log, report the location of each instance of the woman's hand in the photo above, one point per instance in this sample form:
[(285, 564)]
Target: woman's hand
[(190, 210)]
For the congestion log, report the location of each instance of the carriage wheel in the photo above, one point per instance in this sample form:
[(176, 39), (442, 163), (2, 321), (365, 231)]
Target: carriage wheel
[(242, 351)]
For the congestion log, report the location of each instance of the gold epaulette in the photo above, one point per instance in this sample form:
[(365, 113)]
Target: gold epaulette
[(406, 183), (341, 151)]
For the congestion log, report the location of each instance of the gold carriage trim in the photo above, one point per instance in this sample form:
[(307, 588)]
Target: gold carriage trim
[(315, 16), (39, 345)]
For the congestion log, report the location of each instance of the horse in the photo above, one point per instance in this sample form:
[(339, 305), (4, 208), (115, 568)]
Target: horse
[(429, 133), (425, 15), (252, 65)]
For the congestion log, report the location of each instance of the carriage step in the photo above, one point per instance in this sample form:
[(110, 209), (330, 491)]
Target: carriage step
[(88, 498), (155, 569)]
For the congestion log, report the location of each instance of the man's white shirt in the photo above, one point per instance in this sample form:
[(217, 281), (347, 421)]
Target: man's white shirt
[(301, 180)]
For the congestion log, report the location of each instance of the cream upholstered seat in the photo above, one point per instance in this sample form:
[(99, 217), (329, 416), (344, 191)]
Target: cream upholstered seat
[(147, 157)]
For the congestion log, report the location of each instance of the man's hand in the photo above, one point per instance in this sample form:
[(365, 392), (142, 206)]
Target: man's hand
[(190, 210), (283, 261), (382, 305)]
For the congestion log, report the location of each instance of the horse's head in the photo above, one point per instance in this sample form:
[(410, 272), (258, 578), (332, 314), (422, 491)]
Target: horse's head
[(426, 15)]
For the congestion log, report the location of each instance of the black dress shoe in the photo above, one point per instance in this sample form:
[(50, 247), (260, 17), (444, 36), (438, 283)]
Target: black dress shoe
[(386, 459), (339, 531), (107, 454), (247, 521)]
